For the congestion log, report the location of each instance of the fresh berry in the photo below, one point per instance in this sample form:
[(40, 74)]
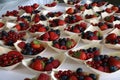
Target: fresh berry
[(37, 65), (64, 43), (1, 24), (44, 76), (44, 64)]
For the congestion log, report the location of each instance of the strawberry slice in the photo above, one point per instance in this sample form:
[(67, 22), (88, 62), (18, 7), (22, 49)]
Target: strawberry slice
[(35, 44), (37, 65), (53, 36), (1, 24)]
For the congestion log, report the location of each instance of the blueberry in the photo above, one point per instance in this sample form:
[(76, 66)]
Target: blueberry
[(42, 17), (96, 58), (100, 37), (101, 57), (79, 70), (89, 50), (110, 25), (28, 18), (113, 68), (106, 56), (57, 31), (24, 52), (62, 43), (105, 64), (22, 24), (27, 45), (29, 52), (38, 57), (35, 11), (10, 43), (100, 24), (33, 59), (95, 48), (80, 77), (93, 76), (72, 18), (64, 77), (117, 58), (55, 41), (51, 58), (4, 33)]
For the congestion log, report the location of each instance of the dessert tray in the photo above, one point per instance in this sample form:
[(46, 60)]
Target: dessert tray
[(61, 41)]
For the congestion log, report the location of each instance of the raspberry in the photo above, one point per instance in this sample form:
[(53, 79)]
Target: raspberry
[(55, 63)]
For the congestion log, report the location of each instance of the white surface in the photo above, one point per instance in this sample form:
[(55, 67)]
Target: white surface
[(20, 72)]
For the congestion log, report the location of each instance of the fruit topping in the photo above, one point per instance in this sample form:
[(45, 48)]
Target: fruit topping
[(50, 35), (38, 28), (1, 24), (79, 74), (89, 16), (104, 26), (73, 19), (32, 48), (112, 38), (80, 7), (11, 13), (29, 8), (10, 58), (44, 64), (56, 22), (54, 14), (78, 28), (10, 37), (85, 54), (42, 76), (51, 4), (72, 11), (95, 35), (72, 2), (64, 43), (105, 63), (109, 18)]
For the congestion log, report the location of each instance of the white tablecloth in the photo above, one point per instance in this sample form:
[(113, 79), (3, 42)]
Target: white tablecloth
[(20, 72)]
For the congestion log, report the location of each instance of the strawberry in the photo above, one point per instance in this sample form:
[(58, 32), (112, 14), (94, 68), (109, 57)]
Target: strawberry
[(53, 36), (73, 77), (18, 27), (35, 44), (63, 47), (103, 27), (61, 22), (42, 29), (36, 18), (82, 8), (101, 68), (28, 9), (88, 78), (44, 76), (108, 10), (21, 45), (94, 38), (37, 65), (115, 8), (57, 45), (111, 37), (46, 35), (83, 24), (49, 67), (114, 62), (35, 5), (94, 4), (70, 11), (69, 44), (76, 30), (1, 24), (55, 63), (80, 55), (54, 3)]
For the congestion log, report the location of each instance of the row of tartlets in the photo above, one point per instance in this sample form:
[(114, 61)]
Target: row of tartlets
[(31, 30)]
